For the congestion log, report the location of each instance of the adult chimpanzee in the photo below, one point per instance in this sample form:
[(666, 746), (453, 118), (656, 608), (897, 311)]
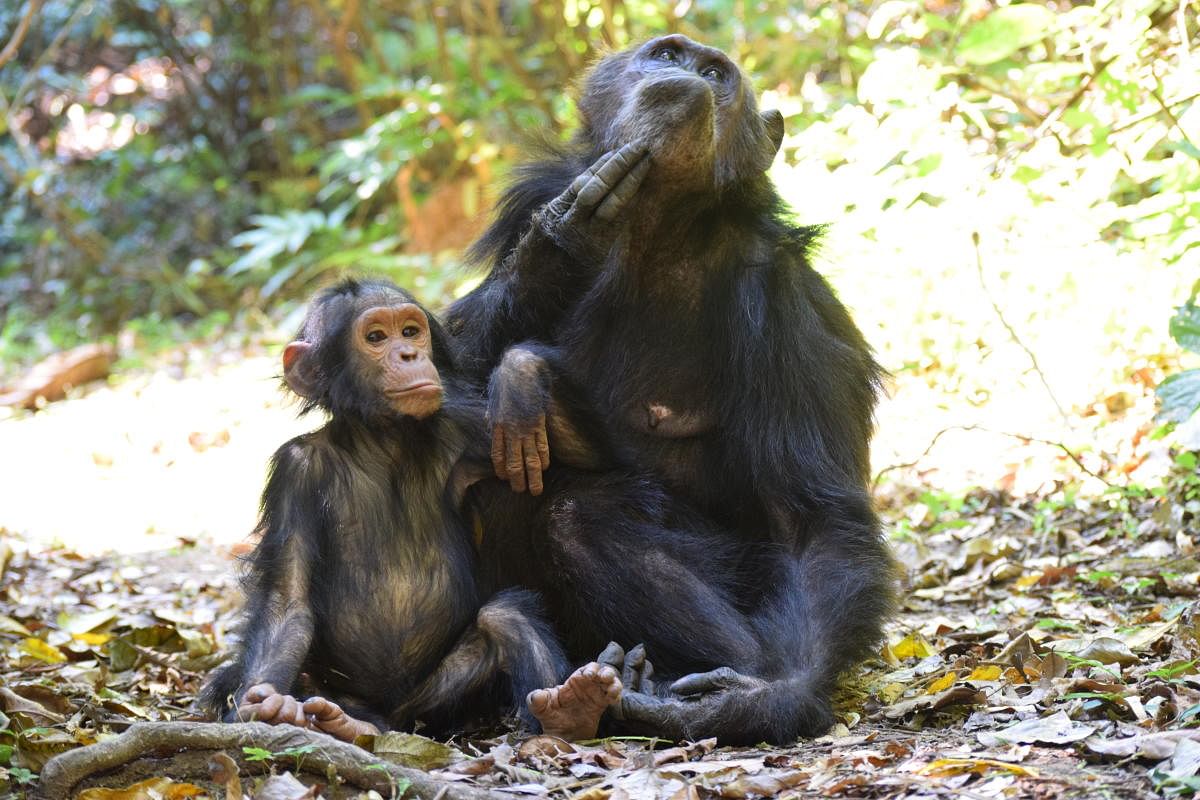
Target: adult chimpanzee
[(365, 576), (650, 265)]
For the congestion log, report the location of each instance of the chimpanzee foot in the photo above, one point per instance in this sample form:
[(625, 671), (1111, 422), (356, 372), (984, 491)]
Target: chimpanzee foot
[(572, 711), (737, 709), (327, 716), (263, 703)]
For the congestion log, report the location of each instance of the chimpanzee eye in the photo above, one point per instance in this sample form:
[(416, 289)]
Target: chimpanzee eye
[(410, 331), (715, 74), (376, 336), (665, 54)]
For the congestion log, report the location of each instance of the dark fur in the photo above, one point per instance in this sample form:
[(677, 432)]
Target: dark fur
[(765, 554), (365, 576)]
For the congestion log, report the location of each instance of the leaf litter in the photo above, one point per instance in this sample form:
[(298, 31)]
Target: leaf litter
[(1047, 646)]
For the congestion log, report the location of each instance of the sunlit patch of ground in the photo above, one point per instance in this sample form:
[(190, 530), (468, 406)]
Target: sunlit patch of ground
[(178, 453)]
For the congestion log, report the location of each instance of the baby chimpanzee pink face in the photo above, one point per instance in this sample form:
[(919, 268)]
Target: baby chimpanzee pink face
[(396, 340)]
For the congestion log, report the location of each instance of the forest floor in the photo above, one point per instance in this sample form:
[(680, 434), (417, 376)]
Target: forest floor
[(1047, 645)]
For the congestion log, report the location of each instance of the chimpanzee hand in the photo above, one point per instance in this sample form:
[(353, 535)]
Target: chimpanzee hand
[(581, 219), (263, 703), (518, 399)]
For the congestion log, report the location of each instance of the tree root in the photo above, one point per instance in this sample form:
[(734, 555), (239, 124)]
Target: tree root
[(180, 750)]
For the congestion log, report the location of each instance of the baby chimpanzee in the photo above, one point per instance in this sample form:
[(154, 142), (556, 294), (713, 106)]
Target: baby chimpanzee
[(365, 576)]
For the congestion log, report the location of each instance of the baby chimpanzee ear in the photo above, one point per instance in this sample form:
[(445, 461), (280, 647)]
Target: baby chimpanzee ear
[(298, 370), (773, 122)]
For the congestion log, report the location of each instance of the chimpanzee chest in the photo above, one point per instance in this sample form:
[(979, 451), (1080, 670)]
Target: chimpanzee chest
[(651, 383)]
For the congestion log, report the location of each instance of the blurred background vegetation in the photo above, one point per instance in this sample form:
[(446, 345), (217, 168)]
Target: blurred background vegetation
[(1013, 188)]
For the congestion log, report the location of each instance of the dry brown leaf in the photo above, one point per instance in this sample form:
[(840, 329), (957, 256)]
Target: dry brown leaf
[(959, 695), (150, 789)]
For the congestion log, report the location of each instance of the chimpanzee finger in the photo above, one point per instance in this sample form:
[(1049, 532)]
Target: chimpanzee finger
[(498, 449), (269, 708), (291, 713), (514, 463), (542, 442), (613, 655), (714, 681), (631, 670), (624, 191), (321, 709), (563, 203), (258, 693), (533, 464), (609, 175)]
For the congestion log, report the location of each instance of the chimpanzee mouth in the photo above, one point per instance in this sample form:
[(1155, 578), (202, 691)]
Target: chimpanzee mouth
[(415, 388)]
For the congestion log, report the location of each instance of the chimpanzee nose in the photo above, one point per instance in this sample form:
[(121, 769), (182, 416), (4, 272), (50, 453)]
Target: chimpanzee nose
[(408, 354)]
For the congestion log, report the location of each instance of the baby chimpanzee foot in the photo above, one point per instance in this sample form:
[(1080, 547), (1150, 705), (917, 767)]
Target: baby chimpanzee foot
[(327, 716), (572, 711)]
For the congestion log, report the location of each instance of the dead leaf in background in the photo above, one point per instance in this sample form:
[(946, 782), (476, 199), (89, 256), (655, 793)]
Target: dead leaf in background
[(947, 767), (1155, 746), (959, 695), (285, 787), (411, 750), (150, 789), (1057, 728)]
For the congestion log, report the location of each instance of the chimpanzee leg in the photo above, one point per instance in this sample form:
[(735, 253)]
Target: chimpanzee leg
[(508, 641), (624, 562), (823, 614)]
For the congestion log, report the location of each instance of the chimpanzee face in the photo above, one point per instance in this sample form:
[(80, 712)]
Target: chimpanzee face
[(396, 351), (690, 104), (367, 350)]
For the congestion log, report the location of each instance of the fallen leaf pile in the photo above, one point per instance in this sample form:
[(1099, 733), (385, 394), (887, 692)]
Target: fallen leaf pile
[(1046, 647)]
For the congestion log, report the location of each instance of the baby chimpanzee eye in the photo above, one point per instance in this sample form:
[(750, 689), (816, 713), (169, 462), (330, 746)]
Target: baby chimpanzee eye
[(376, 336), (410, 331), (714, 74), (665, 54)]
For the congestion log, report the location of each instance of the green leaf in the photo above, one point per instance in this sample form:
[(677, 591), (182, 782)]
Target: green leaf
[(1004, 32), (257, 754), (1180, 395), (21, 775), (1185, 326)]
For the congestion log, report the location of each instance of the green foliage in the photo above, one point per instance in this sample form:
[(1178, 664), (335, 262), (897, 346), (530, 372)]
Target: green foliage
[(1180, 393), (169, 160), (1003, 32)]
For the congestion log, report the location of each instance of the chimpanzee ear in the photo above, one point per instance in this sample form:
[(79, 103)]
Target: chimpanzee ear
[(298, 371), (773, 121)]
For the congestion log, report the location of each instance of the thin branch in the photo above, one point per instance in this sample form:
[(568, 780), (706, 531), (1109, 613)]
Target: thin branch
[(1023, 437), (14, 44), (1012, 332), (1152, 114), (1053, 116), (1156, 93)]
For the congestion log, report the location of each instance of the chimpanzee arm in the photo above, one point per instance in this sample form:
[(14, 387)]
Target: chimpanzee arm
[(279, 620), (549, 264), (535, 408)]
